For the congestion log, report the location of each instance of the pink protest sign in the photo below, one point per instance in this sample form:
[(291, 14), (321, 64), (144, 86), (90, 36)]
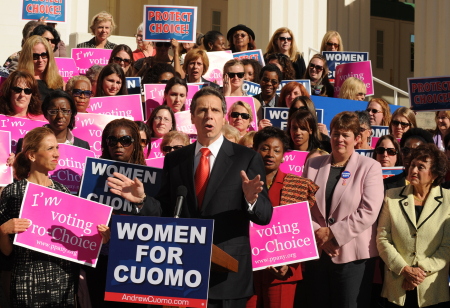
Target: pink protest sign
[(217, 60), (18, 127), (184, 124), (66, 68), (86, 57), (246, 99), (361, 70), (62, 225), (155, 162), (6, 173), (294, 162), (289, 238), (155, 152), (70, 166), (89, 127), (119, 105), (374, 141)]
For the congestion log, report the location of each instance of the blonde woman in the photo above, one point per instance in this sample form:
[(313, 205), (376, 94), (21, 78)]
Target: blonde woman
[(379, 111), (317, 72), (353, 89), (231, 133), (402, 120), (332, 41), (240, 116), (283, 41), (101, 27), (37, 58)]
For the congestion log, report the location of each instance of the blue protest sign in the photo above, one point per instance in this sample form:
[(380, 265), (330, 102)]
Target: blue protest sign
[(278, 116), (162, 23), (391, 171), (378, 131), (134, 85), (334, 58), (250, 54), (162, 261), (319, 113), (304, 82), (429, 94), (251, 88), (54, 11), (367, 153), (94, 182)]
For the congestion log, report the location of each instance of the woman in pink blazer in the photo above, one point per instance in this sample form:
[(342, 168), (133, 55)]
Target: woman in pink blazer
[(348, 203)]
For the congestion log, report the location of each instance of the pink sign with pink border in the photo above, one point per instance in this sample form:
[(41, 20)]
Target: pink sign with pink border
[(120, 105), (155, 152), (288, 238), (62, 225), (294, 162), (155, 162), (246, 99), (87, 57), (217, 60), (360, 70), (18, 127), (374, 141), (66, 68), (6, 172), (184, 124)]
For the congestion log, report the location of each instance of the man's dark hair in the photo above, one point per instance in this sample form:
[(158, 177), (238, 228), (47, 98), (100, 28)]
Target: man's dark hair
[(205, 91), (271, 68)]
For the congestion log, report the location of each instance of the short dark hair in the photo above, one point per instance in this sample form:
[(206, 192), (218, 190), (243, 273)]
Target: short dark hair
[(152, 116), (144, 128), (256, 68), (211, 37), (439, 162), (396, 146), (41, 29), (60, 94), (271, 132), (152, 74), (271, 68), (285, 62), (110, 69), (205, 91), (417, 133)]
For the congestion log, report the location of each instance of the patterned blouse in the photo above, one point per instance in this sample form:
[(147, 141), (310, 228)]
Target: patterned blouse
[(91, 44), (37, 280)]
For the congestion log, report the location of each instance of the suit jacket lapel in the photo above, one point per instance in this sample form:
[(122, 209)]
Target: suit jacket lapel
[(221, 165), (407, 205), (322, 177), (431, 205), (188, 177)]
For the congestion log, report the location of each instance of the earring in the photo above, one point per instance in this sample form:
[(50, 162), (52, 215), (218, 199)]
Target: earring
[(282, 160)]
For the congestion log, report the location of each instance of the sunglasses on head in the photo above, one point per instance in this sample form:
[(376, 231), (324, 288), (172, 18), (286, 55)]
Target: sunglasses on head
[(119, 59), (240, 75), (317, 67), (397, 123), (390, 151), (168, 148), (125, 141), (244, 116), (43, 55), (18, 90), (51, 41), (284, 39), (161, 44), (78, 92), (374, 111), (333, 45)]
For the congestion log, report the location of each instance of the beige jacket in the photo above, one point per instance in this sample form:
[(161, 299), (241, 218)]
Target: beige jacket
[(402, 242)]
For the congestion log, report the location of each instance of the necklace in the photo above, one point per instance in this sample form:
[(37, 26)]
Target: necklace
[(420, 200), (339, 165)]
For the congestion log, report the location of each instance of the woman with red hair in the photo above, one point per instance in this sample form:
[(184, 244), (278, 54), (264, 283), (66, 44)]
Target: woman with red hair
[(289, 92)]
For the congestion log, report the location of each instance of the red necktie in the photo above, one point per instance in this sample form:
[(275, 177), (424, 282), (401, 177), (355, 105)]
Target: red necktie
[(202, 176)]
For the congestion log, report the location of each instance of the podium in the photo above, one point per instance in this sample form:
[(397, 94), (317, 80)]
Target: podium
[(222, 262)]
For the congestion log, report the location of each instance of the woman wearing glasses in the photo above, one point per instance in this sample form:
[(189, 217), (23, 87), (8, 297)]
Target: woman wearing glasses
[(317, 72), (353, 89), (283, 41), (144, 48), (379, 111), (442, 119), (173, 141), (123, 56), (161, 121), (387, 151), (240, 116), (37, 58), (101, 27), (79, 87), (332, 41), (284, 64), (366, 130), (241, 38), (111, 81), (402, 119)]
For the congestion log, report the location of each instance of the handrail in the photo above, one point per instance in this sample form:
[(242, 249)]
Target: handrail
[(396, 90)]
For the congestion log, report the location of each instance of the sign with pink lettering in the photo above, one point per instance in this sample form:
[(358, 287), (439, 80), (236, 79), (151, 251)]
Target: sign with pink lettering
[(66, 68), (361, 70), (86, 57), (155, 162), (184, 124), (246, 99), (6, 173), (120, 105), (62, 225), (18, 127), (289, 238), (294, 162), (155, 151), (89, 127), (217, 60), (70, 166)]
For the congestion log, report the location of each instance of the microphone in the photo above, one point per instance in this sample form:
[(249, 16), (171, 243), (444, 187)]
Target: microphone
[(181, 194)]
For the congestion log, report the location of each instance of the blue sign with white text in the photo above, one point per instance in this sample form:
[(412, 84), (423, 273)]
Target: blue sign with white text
[(391, 171), (278, 116), (251, 88), (334, 58), (159, 261), (304, 82), (367, 153), (134, 85), (429, 93), (379, 131), (54, 10)]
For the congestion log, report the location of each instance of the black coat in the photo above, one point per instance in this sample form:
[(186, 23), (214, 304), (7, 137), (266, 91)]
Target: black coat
[(76, 142), (395, 181)]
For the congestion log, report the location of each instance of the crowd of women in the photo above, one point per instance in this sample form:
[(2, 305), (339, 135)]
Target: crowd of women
[(398, 226)]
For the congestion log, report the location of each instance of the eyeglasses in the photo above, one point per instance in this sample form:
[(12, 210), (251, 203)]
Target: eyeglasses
[(374, 111), (317, 67), (267, 80), (51, 41), (244, 116), (161, 44), (236, 36), (139, 36), (125, 141), (397, 123), (405, 151), (390, 151), (168, 148), (19, 90), (240, 75), (284, 39), (54, 112), (43, 55), (78, 92), (333, 45), (119, 59), (161, 119), (143, 142)]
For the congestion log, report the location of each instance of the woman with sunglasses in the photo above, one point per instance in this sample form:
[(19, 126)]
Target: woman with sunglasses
[(146, 136), (240, 116), (442, 119), (317, 72), (284, 64), (379, 111), (241, 38), (353, 89), (402, 119), (123, 56), (173, 141), (366, 130), (79, 87), (49, 33), (302, 131), (37, 58), (387, 151), (111, 81), (175, 94), (332, 41), (161, 121)]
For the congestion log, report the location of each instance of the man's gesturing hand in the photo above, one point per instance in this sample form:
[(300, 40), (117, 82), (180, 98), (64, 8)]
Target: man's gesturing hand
[(251, 188), (131, 190)]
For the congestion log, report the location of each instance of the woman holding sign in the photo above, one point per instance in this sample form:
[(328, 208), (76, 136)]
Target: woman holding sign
[(37, 280), (317, 72), (348, 202), (275, 286)]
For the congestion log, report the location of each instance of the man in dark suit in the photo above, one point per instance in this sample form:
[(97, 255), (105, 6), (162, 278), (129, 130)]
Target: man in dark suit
[(228, 196)]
